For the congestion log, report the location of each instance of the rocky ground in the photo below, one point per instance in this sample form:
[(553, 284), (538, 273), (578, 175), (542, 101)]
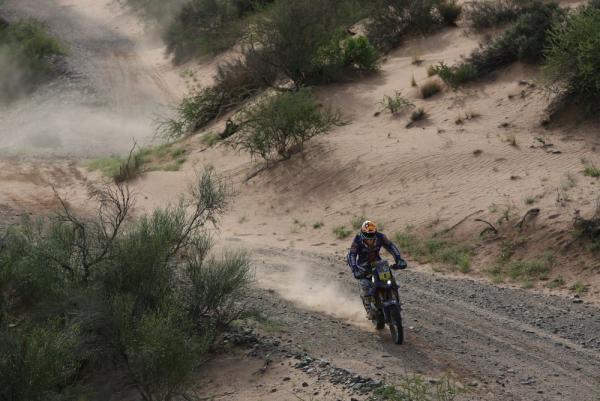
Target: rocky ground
[(503, 343)]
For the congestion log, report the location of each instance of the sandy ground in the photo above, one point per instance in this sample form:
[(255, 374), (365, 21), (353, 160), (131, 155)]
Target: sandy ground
[(430, 176)]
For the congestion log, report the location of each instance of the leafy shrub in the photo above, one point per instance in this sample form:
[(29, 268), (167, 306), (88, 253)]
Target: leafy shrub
[(430, 88), (524, 41), (360, 53), (28, 57), (450, 11), (132, 303), (490, 13), (196, 110), (278, 127), (393, 19), (207, 26), (572, 56), (454, 75), (395, 104), (302, 40), (36, 363)]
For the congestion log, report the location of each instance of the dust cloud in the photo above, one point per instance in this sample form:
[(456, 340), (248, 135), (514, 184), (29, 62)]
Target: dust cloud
[(310, 291)]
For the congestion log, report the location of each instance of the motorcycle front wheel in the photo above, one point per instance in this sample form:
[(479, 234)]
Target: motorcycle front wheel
[(396, 329)]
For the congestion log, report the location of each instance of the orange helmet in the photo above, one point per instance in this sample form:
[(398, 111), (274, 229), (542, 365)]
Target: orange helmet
[(368, 230)]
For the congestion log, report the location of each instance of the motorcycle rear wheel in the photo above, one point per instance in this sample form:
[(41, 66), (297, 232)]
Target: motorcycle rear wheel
[(396, 329)]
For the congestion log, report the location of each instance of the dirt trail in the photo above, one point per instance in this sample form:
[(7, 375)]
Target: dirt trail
[(508, 344), (118, 83)]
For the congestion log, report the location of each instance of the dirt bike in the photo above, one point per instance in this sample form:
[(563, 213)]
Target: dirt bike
[(385, 307)]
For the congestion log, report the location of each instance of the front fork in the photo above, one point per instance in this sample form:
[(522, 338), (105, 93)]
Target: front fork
[(392, 303)]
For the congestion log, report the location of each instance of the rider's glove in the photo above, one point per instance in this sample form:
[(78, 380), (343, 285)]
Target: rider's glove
[(401, 264)]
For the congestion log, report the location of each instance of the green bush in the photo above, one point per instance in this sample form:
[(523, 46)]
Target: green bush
[(394, 19), (133, 304), (207, 26), (395, 104), (196, 110), (37, 363), (360, 53), (278, 126), (28, 57), (491, 13), (450, 11), (573, 56), (455, 75), (301, 40), (523, 41)]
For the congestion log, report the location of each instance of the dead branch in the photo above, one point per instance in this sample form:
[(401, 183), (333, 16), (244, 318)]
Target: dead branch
[(447, 230), (490, 228), (530, 213)]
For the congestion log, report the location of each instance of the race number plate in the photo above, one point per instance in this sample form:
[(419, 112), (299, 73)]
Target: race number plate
[(384, 276)]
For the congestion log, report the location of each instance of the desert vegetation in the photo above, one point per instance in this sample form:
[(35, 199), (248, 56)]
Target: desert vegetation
[(525, 41), (29, 56), (120, 169), (393, 20), (572, 67), (435, 249), (115, 305), (395, 103), (279, 126)]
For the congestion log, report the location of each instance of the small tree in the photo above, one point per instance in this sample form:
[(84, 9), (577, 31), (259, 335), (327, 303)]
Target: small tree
[(295, 39), (278, 127)]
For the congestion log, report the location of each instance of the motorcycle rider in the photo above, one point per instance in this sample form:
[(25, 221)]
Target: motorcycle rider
[(365, 250)]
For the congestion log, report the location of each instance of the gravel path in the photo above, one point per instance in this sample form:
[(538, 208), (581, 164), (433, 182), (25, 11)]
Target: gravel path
[(507, 344)]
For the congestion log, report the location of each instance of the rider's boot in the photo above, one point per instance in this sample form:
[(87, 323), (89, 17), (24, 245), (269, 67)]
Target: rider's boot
[(367, 301)]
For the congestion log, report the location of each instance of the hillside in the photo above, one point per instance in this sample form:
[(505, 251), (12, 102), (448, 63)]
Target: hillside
[(502, 293)]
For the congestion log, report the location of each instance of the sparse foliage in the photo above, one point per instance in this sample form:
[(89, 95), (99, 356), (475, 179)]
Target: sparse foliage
[(395, 104), (135, 303), (572, 65), (392, 20), (341, 232), (523, 41), (279, 125), (491, 13)]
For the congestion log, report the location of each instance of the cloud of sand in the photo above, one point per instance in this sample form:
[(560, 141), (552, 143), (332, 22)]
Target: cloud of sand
[(73, 130), (12, 76), (297, 285)]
